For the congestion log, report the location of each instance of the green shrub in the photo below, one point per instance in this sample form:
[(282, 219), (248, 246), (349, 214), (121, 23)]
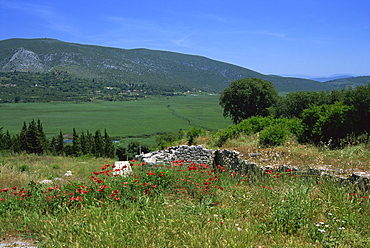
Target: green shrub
[(169, 139), (273, 135), (327, 122), (257, 124), (193, 134)]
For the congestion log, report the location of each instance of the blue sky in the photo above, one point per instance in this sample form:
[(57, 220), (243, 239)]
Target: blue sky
[(283, 37)]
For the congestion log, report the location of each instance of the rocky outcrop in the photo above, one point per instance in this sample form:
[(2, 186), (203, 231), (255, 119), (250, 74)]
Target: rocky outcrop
[(24, 60)]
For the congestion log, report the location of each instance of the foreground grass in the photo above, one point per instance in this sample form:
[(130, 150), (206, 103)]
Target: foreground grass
[(180, 205)]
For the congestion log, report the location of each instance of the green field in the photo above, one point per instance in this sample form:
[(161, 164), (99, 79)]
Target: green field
[(121, 119)]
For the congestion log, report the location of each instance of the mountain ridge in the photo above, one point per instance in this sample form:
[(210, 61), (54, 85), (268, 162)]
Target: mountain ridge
[(139, 66)]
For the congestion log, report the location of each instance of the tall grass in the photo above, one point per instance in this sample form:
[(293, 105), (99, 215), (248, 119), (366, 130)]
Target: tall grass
[(180, 205)]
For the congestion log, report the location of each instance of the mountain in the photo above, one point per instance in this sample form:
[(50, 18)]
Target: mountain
[(161, 69), (350, 81), (332, 77)]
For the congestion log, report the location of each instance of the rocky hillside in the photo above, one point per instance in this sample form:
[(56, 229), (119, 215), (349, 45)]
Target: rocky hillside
[(135, 66)]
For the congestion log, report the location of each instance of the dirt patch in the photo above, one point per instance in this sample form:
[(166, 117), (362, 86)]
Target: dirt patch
[(17, 241)]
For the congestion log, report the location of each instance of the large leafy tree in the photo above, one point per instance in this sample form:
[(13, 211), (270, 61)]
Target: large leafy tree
[(248, 97)]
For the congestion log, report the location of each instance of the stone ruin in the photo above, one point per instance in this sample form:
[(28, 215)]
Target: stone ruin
[(234, 161)]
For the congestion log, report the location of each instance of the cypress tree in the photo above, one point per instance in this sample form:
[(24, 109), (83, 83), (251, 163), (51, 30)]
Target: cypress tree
[(108, 145), (7, 140), (42, 141), (98, 148), (89, 143), (83, 143), (2, 139), (16, 144), (52, 147), (31, 138), (76, 145), (23, 138), (59, 146)]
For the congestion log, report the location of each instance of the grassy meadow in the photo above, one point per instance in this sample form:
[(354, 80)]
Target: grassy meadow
[(182, 204), (178, 205), (121, 119)]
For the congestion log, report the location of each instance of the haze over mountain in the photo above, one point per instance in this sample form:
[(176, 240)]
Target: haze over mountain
[(140, 66)]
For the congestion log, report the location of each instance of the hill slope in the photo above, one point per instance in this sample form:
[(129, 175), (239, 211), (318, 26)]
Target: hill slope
[(135, 66)]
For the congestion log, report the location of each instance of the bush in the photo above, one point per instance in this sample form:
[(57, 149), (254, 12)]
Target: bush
[(193, 134), (273, 135), (257, 124), (327, 122), (168, 139)]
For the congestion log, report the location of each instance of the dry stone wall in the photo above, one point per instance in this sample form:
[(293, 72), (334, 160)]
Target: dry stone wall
[(234, 161), (197, 154)]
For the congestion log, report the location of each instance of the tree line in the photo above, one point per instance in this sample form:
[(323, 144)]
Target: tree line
[(332, 117), (32, 139)]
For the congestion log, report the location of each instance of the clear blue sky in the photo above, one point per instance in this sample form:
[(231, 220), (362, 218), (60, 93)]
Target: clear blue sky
[(305, 37)]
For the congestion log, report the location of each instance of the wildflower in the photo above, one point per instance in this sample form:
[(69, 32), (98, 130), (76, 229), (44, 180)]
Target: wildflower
[(269, 172), (289, 170), (5, 189), (341, 228), (150, 173), (14, 188), (321, 230)]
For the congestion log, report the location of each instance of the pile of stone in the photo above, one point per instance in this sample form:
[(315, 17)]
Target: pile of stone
[(197, 154)]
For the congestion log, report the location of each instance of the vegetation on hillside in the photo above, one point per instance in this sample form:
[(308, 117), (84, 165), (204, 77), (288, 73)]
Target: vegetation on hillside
[(157, 70), (61, 86)]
